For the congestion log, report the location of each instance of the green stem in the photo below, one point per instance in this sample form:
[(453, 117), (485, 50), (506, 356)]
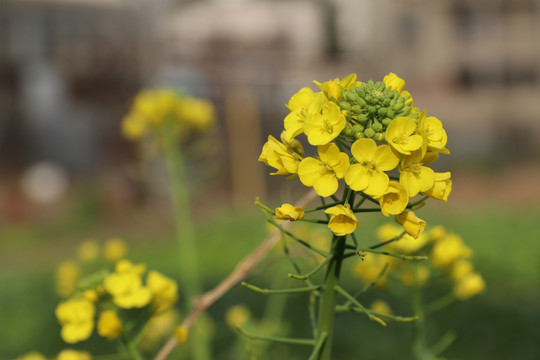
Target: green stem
[(280, 291), (399, 256), (131, 348), (312, 272), (440, 303), (188, 256), (310, 342), (327, 306), (420, 349)]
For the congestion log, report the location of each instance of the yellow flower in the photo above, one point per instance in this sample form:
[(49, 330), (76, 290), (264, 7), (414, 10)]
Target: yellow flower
[(343, 221), (68, 354), (411, 224), (109, 325), (394, 200), (279, 156), (159, 326), (441, 187), (380, 306), (400, 135), (238, 315), (323, 121), (437, 232), (413, 176), (88, 251), (294, 145), (448, 250), (368, 174), (197, 112), (460, 269), (418, 275), (323, 174), (126, 288), (33, 355), (369, 267), (334, 88), (388, 231), (182, 334), (469, 286), (67, 274), (164, 290), (114, 249), (90, 295), (431, 129), (133, 127), (289, 212), (298, 105), (394, 82), (77, 319)]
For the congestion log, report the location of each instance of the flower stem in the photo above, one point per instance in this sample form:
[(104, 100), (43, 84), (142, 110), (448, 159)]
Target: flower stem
[(327, 307), (185, 235)]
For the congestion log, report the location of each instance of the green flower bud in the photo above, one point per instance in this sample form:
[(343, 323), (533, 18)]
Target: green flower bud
[(377, 126), (386, 122), (357, 128), (345, 106), (369, 132)]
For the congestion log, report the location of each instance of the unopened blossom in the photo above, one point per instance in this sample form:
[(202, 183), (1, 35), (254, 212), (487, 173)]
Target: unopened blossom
[(400, 134), (411, 224), (289, 212), (460, 269), (280, 157), (238, 315), (109, 325), (342, 220), (67, 275), (181, 334), (323, 174), (114, 249), (441, 188), (368, 174), (334, 88)]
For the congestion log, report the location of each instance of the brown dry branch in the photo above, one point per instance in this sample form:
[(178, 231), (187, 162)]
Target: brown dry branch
[(242, 269)]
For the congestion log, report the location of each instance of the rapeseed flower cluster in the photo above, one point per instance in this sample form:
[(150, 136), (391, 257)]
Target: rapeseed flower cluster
[(368, 135), (112, 301), (159, 112)]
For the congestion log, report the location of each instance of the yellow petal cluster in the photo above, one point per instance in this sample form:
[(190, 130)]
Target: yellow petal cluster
[(164, 290), (126, 286), (77, 319), (109, 325), (280, 156), (69, 354), (411, 224)]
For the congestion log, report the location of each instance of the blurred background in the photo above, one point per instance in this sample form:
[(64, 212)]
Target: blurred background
[(69, 70)]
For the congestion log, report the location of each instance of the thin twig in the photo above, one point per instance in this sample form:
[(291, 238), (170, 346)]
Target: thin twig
[(201, 303)]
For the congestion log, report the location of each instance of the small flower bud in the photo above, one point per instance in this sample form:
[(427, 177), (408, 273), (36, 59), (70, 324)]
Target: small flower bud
[(369, 132)]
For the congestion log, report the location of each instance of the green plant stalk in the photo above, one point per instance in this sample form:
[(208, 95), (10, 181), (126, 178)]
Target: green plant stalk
[(419, 345), (189, 273), (327, 307)]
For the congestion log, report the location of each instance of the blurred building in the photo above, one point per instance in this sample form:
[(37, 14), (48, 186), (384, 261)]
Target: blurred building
[(69, 67)]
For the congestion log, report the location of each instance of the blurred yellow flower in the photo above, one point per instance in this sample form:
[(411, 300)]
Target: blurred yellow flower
[(417, 275), (125, 286), (237, 315), (323, 174), (370, 266), (77, 319), (114, 249), (164, 290), (381, 307), (469, 286), (342, 221), (68, 354), (109, 325), (182, 334), (448, 250), (289, 212), (411, 224), (67, 275), (460, 269), (88, 251), (90, 295), (159, 326)]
